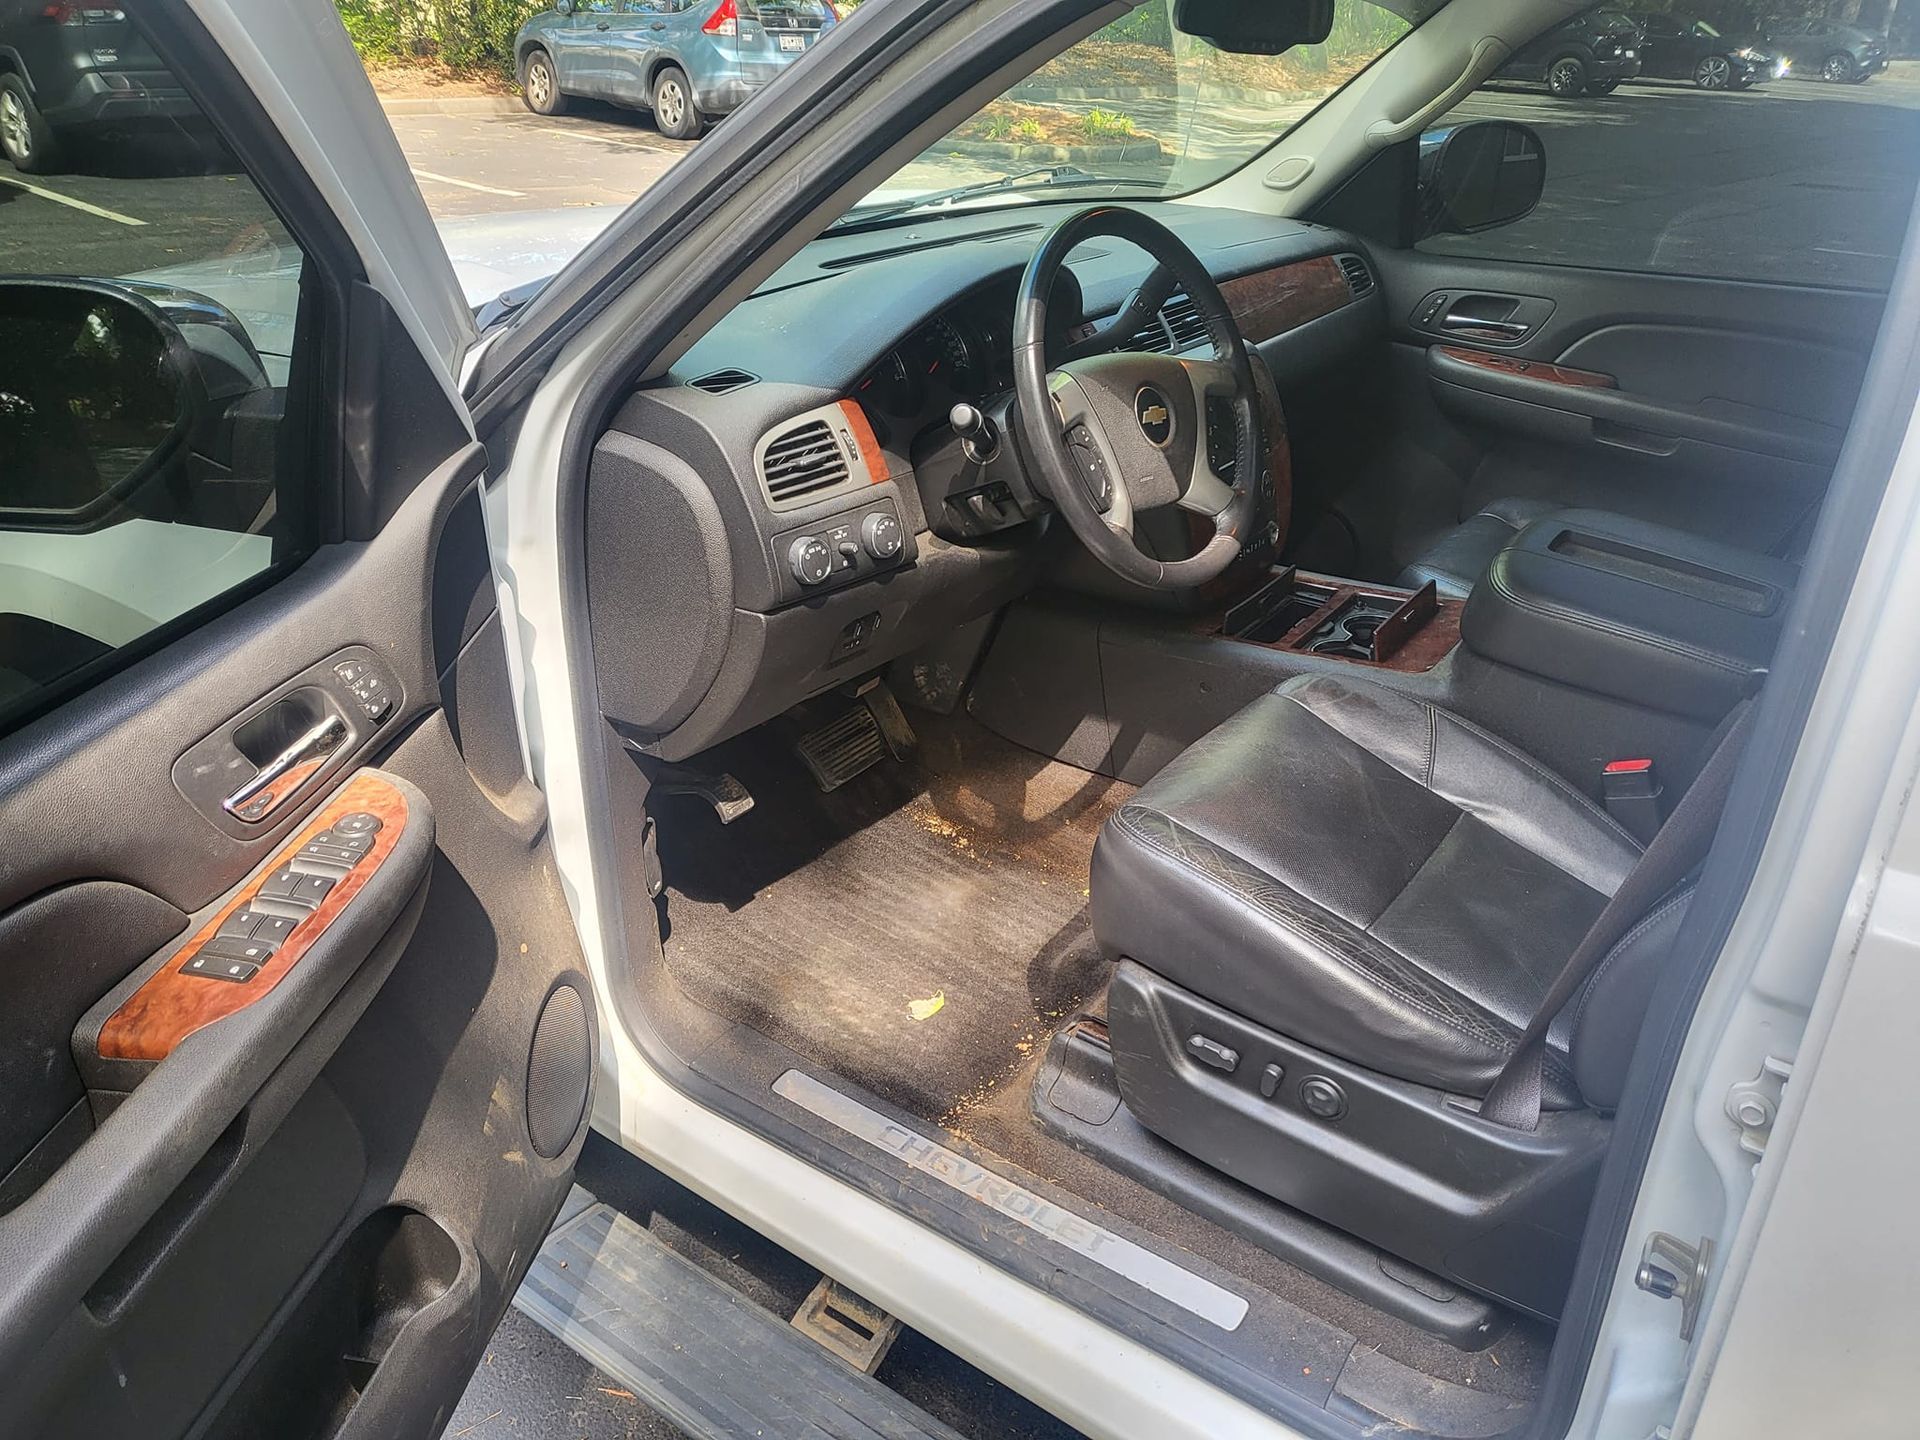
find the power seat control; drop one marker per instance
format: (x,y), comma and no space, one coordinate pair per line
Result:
(810,560)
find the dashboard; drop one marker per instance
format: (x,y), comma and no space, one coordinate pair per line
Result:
(791,498)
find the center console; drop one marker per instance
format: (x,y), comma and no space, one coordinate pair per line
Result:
(1345,620)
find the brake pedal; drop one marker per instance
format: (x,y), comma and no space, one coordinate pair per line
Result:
(728,797)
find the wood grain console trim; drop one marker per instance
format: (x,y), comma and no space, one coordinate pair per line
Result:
(170,1006)
(865,441)
(1272,302)
(1425,648)
(1530,369)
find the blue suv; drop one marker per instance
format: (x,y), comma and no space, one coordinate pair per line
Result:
(685,60)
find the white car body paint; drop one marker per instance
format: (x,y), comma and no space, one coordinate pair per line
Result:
(105,585)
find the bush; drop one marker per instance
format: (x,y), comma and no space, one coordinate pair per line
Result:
(462,34)
(1106,125)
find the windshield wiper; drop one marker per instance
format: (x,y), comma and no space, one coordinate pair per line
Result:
(1036,178)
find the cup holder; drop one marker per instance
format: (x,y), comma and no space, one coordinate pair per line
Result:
(1350,633)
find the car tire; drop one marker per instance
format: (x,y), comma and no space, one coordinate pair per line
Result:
(540,85)
(1838,68)
(1714,72)
(1597,88)
(673,108)
(1567,77)
(26,140)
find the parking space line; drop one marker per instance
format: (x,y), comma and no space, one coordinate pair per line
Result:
(471,185)
(59,199)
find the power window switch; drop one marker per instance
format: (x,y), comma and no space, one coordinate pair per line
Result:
(273,929)
(228,947)
(280,885)
(241,923)
(219,967)
(312,889)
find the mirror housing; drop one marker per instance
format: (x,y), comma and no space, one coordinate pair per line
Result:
(563,7)
(1477,176)
(99,394)
(1255,27)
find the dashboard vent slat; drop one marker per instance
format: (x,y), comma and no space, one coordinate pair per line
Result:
(1359,277)
(805,461)
(1183,322)
(720,382)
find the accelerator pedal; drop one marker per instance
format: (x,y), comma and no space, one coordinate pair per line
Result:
(696,1350)
(858,738)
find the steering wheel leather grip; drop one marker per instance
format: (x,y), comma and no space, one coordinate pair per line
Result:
(1141,417)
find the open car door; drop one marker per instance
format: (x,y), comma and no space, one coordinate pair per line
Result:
(296,1049)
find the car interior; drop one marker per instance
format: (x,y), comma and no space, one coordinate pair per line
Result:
(1227,803)
(1169,738)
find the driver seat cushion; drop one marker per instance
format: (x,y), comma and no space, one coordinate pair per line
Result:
(1364,873)
(1456,561)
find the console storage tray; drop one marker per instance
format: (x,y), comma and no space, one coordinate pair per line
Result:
(1646,614)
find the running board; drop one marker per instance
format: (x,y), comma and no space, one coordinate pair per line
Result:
(696,1350)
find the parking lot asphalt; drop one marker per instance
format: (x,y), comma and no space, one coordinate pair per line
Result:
(1808,179)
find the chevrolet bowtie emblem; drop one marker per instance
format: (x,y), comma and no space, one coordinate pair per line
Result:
(1156,420)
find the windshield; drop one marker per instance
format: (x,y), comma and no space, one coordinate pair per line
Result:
(1137,108)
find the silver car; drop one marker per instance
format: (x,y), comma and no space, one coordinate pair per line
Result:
(685,60)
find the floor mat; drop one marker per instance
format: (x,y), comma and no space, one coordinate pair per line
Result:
(952,887)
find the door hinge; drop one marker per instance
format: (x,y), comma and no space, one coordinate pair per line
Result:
(1671,1269)
(1753,1104)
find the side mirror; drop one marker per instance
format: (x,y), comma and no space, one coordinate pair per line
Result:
(1479,175)
(99,394)
(1255,27)
(563,7)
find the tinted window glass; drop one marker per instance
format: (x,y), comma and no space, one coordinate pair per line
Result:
(149,302)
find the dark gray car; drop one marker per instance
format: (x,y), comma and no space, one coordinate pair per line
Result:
(685,60)
(1835,52)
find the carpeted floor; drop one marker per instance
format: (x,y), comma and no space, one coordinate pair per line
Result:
(820,920)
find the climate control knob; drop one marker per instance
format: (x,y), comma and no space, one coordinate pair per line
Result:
(810,560)
(880,533)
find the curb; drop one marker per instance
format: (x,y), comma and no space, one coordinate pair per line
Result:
(451,105)
(1042,152)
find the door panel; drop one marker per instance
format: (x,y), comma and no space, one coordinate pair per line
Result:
(291,1002)
(1715,406)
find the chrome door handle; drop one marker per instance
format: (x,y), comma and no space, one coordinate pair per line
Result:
(281,777)
(1474,322)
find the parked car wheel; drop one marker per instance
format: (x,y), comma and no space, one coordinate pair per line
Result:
(673,108)
(1567,77)
(1837,68)
(539,86)
(1603,87)
(1714,72)
(25,137)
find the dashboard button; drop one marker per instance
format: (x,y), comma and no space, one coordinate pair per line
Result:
(810,560)
(880,533)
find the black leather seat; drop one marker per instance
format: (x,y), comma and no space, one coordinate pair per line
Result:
(1456,561)
(1345,881)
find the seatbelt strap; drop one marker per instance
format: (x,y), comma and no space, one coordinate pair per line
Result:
(1679,845)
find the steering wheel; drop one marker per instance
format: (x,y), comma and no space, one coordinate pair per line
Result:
(1117,433)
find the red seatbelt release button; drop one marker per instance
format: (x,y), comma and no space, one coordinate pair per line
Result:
(1632,793)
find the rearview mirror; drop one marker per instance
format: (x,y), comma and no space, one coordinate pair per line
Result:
(1255,27)
(1479,175)
(97,397)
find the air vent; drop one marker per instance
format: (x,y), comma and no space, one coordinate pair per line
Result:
(1178,327)
(1359,278)
(805,461)
(1183,322)
(722,381)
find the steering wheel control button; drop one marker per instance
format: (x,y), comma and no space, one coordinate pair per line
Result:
(1093,469)
(219,967)
(1323,1098)
(1211,1052)
(880,534)
(1270,1078)
(810,560)
(358,823)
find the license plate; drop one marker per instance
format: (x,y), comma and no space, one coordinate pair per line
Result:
(793,42)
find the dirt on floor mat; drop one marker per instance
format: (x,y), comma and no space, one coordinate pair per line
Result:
(919,930)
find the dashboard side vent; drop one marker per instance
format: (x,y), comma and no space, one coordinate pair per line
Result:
(1151,337)
(1359,277)
(1183,322)
(803,462)
(720,382)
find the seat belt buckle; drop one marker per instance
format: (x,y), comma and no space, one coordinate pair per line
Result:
(1632,791)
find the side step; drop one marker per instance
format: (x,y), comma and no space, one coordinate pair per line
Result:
(694,1349)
